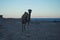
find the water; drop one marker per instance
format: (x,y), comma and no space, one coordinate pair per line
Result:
(46,19)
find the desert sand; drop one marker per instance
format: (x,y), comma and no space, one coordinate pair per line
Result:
(11,29)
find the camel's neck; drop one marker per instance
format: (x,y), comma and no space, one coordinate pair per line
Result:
(29,15)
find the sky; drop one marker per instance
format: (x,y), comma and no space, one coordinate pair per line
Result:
(40,8)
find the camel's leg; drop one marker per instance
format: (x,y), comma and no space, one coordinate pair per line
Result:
(28,26)
(23,27)
(28,23)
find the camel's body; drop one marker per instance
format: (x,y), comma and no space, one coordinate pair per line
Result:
(24,18)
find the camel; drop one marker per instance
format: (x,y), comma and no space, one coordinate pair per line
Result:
(26,19)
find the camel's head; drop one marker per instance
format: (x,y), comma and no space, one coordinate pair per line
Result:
(29,10)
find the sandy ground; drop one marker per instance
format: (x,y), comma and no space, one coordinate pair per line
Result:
(12,30)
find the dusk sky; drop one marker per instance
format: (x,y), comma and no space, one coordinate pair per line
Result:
(40,8)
